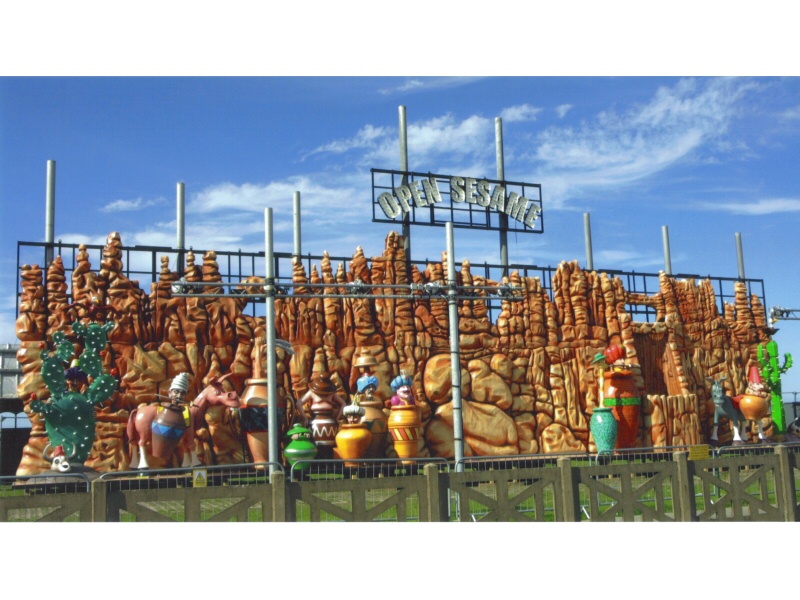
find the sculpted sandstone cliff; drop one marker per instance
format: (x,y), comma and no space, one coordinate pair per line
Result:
(528,382)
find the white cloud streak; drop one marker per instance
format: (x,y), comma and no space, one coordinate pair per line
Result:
(427,83)
(130,205)
(520,113)
(762,207)
(621,148)
(562,110)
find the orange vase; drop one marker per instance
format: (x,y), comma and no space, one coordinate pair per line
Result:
(622,396)
(754,408)
(353,441)
(405,428)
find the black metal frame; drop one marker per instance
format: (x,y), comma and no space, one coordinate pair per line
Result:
(234,266)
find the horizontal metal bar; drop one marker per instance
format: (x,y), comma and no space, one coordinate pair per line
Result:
(418,296)
(280,283)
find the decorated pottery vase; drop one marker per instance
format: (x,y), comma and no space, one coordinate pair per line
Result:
(404,427)
(604,429)
(324,428)
(353,441)
(167,429)
(622,396)
(301,448)
(753,407)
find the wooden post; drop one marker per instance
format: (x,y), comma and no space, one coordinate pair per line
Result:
(437,510)
(99,501)
(683,490)
(570,501)
(786,476)
(280,502)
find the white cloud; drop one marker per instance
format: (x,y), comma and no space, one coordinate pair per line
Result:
(522,112)
(757,208)
(430,142)
(433,141)
(562,110)
(791,114)
(427,83)
(367,137)
(678,123)
(226,198)
(129,205)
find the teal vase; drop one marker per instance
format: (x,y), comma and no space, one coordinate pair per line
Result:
(604,428)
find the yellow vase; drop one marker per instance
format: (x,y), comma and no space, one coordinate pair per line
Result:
(404,426)
(352,441)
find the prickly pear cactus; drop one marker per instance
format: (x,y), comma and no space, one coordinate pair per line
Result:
(69,416)
(771,372)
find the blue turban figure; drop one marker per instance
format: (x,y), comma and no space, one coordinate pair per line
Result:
(402,389)
(364,382)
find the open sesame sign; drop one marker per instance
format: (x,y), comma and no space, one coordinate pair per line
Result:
(433,199)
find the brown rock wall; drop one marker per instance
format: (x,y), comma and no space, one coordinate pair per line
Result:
(528,384)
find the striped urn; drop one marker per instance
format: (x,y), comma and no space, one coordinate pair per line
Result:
(405,429)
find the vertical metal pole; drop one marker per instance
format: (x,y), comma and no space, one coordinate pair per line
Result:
(272,368)
(455,360)
(297,238)
(181,223)
(50,212)
(667,257)
(740,254)
(404,167)
(587,228)
(501,175)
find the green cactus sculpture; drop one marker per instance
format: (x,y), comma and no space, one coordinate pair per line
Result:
(69,415)
(771,373)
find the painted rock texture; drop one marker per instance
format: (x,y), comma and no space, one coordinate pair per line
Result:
(528,382)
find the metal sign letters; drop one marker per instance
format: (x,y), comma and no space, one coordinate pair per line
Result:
(432,199)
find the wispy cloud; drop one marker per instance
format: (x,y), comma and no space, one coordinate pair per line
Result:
(433,143)
(427,83)
(562,110)
(520,113)
(367,137)
(227,198)
(759,207)
(130,205)
(791,114)
(618,148)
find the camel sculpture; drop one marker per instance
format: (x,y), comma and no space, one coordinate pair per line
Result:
(143,419)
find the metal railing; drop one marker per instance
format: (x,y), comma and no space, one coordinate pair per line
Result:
(752,482)
(362,468)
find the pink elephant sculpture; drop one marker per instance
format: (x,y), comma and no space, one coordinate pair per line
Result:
(174,428)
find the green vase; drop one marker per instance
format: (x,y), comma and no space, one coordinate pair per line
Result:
(300,448)
(604,429)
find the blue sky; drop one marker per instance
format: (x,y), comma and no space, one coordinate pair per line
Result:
(708,157)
